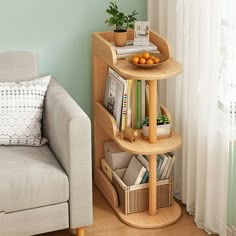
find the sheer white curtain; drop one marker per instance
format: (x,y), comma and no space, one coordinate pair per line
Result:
(228,87)
(194,29)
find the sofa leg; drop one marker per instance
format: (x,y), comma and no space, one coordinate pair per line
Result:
(80,231)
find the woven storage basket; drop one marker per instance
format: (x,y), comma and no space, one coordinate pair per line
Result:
(135,198)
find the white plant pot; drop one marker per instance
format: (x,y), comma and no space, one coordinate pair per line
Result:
(161,130)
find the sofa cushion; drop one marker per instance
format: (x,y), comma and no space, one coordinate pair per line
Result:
(30,177)
(21,108)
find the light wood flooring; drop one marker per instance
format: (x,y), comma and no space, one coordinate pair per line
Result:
(106,223)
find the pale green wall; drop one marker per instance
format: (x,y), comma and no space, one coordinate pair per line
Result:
(59,31)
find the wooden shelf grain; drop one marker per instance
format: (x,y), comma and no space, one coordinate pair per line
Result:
(165,216)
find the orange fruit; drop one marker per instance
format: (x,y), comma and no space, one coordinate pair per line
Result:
(142,60)
(135,60)
(138,55)
(152,57)
(157,60)
(150,61)
(146,55)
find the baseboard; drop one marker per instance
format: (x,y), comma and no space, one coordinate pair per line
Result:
(231,231)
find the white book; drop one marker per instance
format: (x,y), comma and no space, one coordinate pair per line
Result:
(170,167)
(162,168)
(123,56)
(141,43)
(167,166)
(134,173)
(141,40)
(143,161)
(130,48)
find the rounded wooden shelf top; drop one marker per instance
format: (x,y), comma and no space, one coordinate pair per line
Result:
(168,69)
(165,216)
(142,146)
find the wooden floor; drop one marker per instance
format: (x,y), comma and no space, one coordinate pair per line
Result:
(106,223)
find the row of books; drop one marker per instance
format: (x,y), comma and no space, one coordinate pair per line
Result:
(165,164)
(137,171)
(127,100)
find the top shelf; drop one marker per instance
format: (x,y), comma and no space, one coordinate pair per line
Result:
(104,49)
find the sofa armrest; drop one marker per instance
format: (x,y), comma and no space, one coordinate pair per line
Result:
(68,130)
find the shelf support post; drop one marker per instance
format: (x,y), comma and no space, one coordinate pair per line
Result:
(152,111)
(152,139)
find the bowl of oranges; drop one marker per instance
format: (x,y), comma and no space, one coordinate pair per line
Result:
(146,59)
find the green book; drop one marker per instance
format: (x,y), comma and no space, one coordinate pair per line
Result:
(139,105)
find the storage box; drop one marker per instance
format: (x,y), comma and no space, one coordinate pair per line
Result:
(135,198)
(115,156)
(106,169)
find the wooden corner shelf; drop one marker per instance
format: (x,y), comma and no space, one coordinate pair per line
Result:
(104,56)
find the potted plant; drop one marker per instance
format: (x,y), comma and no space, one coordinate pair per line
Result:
(121,22)
(163,126)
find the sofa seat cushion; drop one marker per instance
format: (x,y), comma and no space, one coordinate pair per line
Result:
(30,177)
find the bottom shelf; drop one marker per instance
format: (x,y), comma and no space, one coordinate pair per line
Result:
(165,216)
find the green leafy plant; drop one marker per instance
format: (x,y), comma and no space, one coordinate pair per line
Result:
(161,120)
(118,19)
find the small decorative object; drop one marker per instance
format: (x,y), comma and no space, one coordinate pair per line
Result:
(163,126)
(130,134)
(121,21)
(141,33)
(146,59)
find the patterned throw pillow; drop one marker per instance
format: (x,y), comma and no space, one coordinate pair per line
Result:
(21,108)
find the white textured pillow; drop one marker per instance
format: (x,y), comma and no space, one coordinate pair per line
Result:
(21,108)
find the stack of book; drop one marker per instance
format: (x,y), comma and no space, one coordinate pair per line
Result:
(131,48)
(165,164)
(138,169)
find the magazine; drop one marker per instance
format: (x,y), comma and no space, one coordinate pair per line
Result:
(113,97)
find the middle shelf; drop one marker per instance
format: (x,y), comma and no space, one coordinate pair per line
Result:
(140,146)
